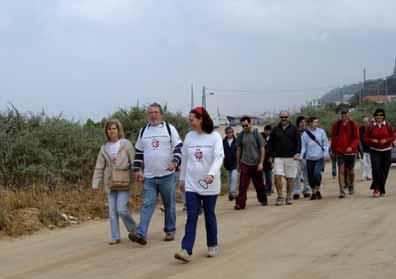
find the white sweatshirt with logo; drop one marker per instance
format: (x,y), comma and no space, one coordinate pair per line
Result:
(203,155)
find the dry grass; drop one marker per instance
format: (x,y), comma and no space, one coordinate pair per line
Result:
(25,211)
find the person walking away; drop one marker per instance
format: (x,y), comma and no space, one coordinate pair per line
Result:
(114,169)
(380,137)
(230,161)
(315,149)
(302,174)
(285,148)
(250,160)
(203,156)
(267,164)
(158,152)
(344,144)
(365,161)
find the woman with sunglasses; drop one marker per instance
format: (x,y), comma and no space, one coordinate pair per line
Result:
(379,137)
(200,179)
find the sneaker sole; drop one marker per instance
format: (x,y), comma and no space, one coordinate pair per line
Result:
(180,258)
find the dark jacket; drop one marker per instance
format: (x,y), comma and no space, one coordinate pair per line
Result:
(285,143)
(267,141)
(364,147)
(230,161)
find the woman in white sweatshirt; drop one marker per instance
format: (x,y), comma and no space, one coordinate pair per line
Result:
(200,179)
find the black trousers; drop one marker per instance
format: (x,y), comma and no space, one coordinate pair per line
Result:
(380,163)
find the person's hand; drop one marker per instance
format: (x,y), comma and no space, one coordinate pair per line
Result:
(95,190)
(326,158)
(297,157)
(382,141)
(349,150)
(374,140)
(209,179)
(260,167)
(181,185)
(172,166)
(138,175)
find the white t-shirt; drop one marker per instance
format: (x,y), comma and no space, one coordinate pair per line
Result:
(114,148)
(157,149)
(230,142)
(203,155)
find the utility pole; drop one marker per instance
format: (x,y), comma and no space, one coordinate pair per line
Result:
(204,97)
(386,86)
(364,85)
(192,96)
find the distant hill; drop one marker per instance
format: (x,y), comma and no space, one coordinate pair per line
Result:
(350,92)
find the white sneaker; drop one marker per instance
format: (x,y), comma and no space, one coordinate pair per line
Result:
(183,255)
(213,251)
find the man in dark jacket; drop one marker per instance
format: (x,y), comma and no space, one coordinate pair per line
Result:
(285,146)
(267,164)
(230,161)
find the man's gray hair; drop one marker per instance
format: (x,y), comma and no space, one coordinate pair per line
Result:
(156,105)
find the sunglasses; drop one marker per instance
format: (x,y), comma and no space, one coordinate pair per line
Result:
(203,184)
(378,114)
(245,126)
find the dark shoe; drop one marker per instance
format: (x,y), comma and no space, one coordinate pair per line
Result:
(342,195)
(296,196)
(169,237)
(200,211)
(237,207)
(351,190)
(230,197)
(319,195)
(313,197)
(306,195)
(134,237)
(264,203)
(114,242)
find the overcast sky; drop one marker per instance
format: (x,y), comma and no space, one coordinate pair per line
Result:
(86,58)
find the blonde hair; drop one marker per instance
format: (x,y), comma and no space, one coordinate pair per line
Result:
(118,124)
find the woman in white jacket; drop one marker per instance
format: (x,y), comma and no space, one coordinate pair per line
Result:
(200,179)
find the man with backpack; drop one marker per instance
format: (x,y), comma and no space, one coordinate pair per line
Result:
(344,144)
(158,151)
(250,160)
(285,149)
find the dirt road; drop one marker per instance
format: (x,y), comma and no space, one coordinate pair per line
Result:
(351,238)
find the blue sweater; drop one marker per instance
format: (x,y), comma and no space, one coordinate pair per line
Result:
(310,150)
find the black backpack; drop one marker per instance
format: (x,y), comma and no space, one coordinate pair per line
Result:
(167,128)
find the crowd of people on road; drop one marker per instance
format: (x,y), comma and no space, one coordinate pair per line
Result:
(286,152)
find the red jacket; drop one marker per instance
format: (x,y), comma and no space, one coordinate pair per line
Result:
(379,132)
(344,136)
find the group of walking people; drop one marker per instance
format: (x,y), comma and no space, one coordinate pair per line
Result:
(294,153)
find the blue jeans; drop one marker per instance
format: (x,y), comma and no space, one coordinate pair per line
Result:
(118,207)
(314,169)
(232,181)
(194,202)
(166,187)
(301,174)
(268,181)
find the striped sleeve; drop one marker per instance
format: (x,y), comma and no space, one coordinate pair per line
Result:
(177,154)
(138,161)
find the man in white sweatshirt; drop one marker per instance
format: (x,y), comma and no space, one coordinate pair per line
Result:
(158,151)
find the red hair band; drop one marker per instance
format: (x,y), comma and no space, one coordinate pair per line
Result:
(199,110)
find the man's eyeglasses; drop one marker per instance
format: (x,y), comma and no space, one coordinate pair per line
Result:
(203,183)
(378,114)
(245,126)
